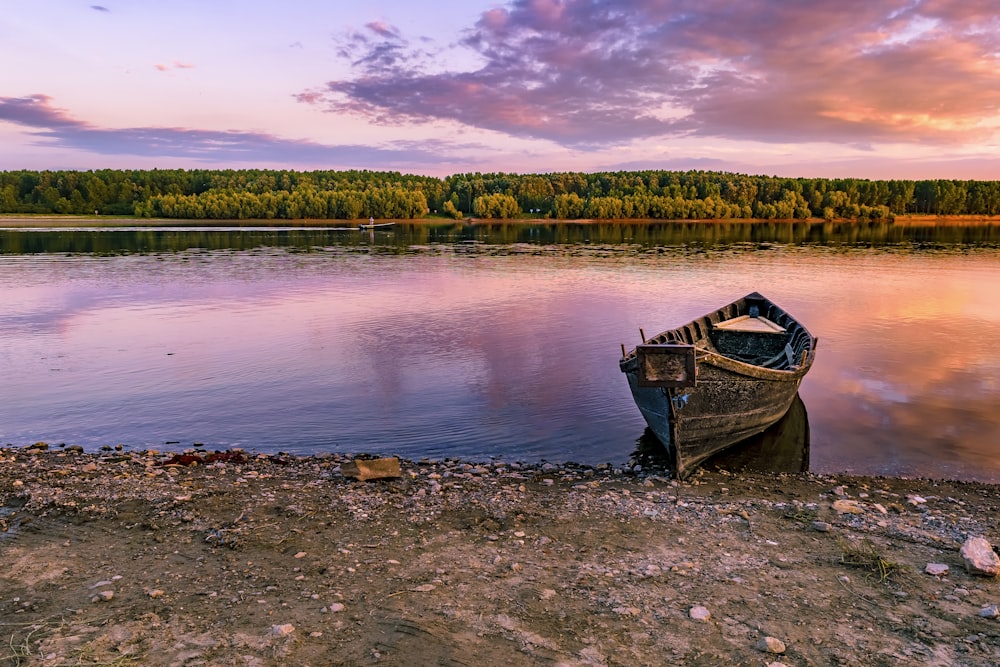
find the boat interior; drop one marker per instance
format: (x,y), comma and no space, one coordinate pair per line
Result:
(751,330)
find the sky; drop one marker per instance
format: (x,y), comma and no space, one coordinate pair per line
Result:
(875,89)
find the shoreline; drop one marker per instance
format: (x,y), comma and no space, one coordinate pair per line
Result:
(19,221)
(123,557)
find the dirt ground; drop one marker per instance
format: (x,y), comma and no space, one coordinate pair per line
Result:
(114,558)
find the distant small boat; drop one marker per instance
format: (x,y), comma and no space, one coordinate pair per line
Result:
(375,225)
(718,379)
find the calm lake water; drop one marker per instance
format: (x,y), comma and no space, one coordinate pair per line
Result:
(489,341)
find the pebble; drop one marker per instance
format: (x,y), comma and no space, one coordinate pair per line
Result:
(936,569)
(771,645)
(847,507)
(103,596)
(821,526)
(699,613)
(990,611)
(282,630)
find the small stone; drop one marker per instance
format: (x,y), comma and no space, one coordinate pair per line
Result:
(771,645)
(301,554)
(990,611)
(821,526)
(980,557)
(699,613)
(103,596)
(916,500)
(847,507)
(335,607)
(424,588)
(936,569)
(155,593)
(282,630)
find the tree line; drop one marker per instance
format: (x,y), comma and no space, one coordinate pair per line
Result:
(354,194)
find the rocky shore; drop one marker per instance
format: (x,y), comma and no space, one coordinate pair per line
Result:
(147,558)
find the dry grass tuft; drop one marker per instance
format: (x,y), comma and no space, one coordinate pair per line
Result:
(865,555)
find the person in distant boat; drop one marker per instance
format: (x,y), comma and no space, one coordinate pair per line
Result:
(371,221)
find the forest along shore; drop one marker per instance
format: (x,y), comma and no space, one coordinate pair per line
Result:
(151,558)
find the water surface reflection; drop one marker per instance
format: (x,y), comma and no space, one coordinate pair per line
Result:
(481,349)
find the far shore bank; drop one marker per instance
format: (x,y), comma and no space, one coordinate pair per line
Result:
(11,221)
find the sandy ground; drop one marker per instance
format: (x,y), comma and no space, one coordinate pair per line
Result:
(115,558)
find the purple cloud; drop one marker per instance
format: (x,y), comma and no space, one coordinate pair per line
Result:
(601,72)
(55,126)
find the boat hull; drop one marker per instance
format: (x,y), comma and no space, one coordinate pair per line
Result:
(725,400)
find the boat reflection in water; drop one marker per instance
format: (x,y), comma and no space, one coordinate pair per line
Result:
(783,447)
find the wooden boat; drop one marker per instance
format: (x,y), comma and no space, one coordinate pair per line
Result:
(718,379)
(375,225)
(781,447)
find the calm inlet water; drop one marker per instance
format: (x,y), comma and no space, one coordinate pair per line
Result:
(486,342)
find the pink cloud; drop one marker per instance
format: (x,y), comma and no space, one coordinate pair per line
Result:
(591,72)
(174,65)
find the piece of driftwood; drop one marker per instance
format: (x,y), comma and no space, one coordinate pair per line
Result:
(366,469)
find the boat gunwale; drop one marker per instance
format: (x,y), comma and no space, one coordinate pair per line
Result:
(716,358)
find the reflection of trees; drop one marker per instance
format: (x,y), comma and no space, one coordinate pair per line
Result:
(407,238)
